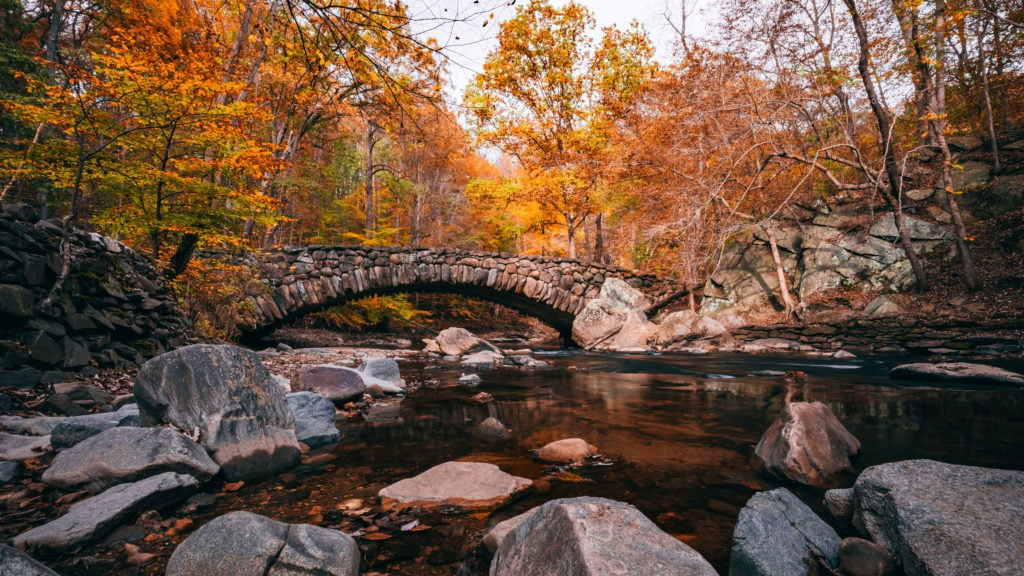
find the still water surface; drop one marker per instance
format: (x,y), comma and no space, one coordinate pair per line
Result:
(679,432)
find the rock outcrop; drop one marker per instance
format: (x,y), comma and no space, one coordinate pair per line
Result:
(807,444)
(226,395)
(593,537)
(615,320)
(247,543)
(942,519)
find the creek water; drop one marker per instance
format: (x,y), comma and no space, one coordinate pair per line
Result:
(677,434)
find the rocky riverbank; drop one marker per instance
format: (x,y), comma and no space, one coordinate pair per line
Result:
(118,490)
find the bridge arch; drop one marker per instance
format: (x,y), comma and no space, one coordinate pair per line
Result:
(304,280)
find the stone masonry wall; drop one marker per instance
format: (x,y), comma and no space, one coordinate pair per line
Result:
(112,312)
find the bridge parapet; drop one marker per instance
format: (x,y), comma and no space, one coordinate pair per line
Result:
(302,280)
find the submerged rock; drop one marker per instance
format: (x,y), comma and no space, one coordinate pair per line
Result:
(569,450)
(778,534)
(593,537)
(942,519)
(91,519)
(122,455)
(491,430)
(806,444)
(247,543)
(226,395)
(957,372)
(468,485)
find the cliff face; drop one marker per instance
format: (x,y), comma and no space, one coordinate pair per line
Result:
(113,311)
(849,246)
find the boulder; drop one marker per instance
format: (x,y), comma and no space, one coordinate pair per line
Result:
(91,519)
(127,415)
(859,557)
(593,536)
(885,228)
(964,143)
(17,563)
(469,379)
(247,543)
(8,471)
(496,535)
(942,519)
(71,431)
(468,485)
(122,455)
(806,444)
(16,301)
(963,372)
(226,395)
(383,372)
(491,430)
(883,306)
(483,359)
(314,419)
(778,534)
(20,448)
(839,505)
(525,361)
(459,341)
(615,320)
(336,383)
(676,326)
(971,175)
(569,450)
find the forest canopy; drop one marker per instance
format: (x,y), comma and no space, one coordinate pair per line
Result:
(183,125)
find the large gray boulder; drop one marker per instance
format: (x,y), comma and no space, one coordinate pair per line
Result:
(93,518)
(119,455)
(243,543)
(226,395)
(336,383)
(963,372)
(468,485)
(807,444)
(615,320)
(314,419)
(17,563)
(778,534)
(593,537)
(942,519)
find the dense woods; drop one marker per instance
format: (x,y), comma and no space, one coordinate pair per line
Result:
(177,126)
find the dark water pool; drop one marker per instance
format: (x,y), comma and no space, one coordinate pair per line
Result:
(679,431)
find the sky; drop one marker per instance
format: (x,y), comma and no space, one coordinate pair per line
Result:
(458,26)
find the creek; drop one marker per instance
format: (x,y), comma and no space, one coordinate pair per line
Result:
(677,433)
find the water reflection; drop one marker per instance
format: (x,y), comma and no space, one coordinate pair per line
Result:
(680,439)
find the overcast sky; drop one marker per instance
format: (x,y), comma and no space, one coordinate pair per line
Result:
(458,26)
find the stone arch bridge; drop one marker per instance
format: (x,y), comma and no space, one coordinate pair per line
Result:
(303,280)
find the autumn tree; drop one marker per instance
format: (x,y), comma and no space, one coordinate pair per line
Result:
(545,96)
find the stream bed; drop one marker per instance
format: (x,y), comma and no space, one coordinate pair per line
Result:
(676,434)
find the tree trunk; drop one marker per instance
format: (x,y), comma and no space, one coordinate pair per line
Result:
(939,123)
(987,94)
(600,254)
(371,142)
(183,255)
(894,193)
(780,271)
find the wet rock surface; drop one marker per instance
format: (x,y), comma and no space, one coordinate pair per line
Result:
(963,372)
(336,383)
(569,450)
(314,419)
